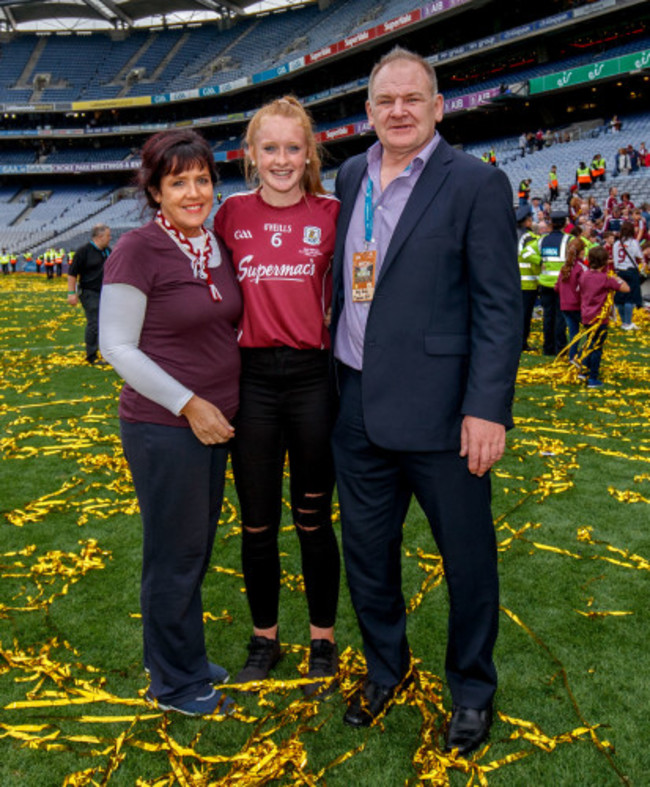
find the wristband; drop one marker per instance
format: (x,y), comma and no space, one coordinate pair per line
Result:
(71,292)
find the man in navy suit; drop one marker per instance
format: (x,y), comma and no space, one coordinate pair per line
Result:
(426,332)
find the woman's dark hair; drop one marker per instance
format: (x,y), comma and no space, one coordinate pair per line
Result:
(627,230)
(597,258)
(172,152)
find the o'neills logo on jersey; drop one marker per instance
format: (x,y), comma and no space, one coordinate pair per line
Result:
(277,227)
(311,236)
(259,272)
(243,234)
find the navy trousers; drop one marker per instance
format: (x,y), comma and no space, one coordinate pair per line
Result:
(90,302)
(594,351)
(553,324)
(179,483)
(375,487)
(529,297)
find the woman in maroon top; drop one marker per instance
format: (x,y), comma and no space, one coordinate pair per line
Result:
(169,311)
(595,286)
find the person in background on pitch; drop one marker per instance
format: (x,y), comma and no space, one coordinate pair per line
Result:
(568,292)
(85,277)
(595,285)
(288,223)
(628,261)
(529,267)
(552,248)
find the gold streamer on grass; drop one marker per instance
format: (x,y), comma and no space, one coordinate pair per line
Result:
(47,570)
(594,614)
(535,735)
(626,496)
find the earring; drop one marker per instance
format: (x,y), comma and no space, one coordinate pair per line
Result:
(253,163)
(307,161)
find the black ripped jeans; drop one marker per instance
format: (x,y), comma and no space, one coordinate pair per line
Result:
(286,405)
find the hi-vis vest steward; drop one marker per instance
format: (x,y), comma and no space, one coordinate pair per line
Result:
(529,259)
(598,167)
(552,249)
(552,180)
(583,175)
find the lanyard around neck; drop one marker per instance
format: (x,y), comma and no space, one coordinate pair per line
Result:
(368,213)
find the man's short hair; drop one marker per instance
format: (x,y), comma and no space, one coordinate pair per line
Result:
(98,229)
(399,53)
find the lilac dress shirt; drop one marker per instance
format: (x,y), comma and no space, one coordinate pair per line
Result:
(387,209)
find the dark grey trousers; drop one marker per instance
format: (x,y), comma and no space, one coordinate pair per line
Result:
(90,302)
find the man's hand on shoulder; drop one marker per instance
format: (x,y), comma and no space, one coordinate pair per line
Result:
(482,442)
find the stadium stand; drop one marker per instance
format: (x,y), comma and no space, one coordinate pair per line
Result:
(18,156)
(58,208)
(130,64)
(207,49)
(567,156)
(250,46)
(89,155)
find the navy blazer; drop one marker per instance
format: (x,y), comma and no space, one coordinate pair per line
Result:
(443,336)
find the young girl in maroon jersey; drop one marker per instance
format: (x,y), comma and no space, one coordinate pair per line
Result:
(281,237)
(567,288)
(595,286)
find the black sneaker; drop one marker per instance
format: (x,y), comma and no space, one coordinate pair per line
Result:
(323,663)
(263,655)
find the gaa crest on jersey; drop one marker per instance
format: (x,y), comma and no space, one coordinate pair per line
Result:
(312,236)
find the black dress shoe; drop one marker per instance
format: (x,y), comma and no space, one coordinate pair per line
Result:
(468,728)
(370,702)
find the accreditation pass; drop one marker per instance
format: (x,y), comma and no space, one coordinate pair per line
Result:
(364,266)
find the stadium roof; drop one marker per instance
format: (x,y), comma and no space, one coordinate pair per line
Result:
(73,15)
